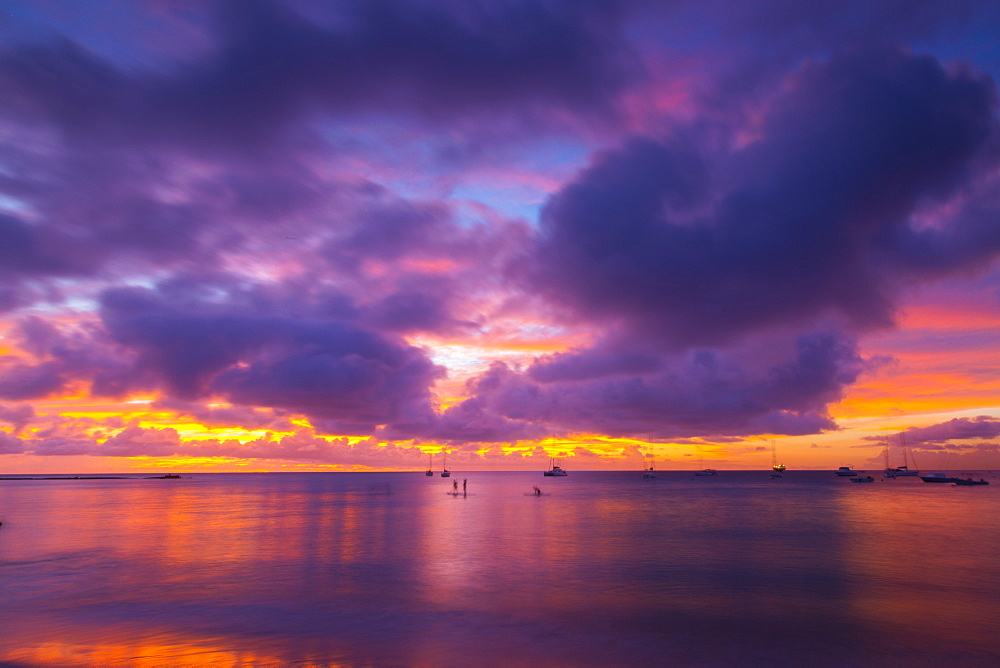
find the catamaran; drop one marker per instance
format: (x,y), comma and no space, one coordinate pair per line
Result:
(554,470)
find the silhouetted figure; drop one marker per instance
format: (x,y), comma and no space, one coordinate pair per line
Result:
(538,492)
(464,486)
(454,486)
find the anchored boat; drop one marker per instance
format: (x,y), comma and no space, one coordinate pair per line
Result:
(554,471)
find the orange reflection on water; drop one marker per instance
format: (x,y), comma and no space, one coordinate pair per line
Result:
(142,653)
(392,569)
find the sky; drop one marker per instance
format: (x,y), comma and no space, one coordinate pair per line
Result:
(285,235)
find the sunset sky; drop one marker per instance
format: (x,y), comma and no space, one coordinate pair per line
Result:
(289,235)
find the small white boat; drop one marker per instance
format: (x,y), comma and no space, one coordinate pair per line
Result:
(846,471)
(862,478)
(555,471)
(430,466)
(649,473)
(705,472)
(445,473)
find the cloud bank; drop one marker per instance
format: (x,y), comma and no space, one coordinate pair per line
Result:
(279,212)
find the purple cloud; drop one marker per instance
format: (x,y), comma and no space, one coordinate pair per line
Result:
(60,357)
(299,188)
(244,417)
(135,441)
(704,392)
(811,217)
(17,416)
(983,427)
(328,369)
(11,445)
(269,66)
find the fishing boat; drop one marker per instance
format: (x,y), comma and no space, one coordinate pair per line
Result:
(846,471)
(938,476)
(554,471)
(705,472)
(445,473)
(430,466)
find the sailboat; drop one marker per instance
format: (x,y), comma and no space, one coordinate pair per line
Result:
(777,470)
(555,470)
(900,471)
(889,472)
(649,473)
(704,472)
(445,473)
(430,466)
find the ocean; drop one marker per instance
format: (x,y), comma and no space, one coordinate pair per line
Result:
(602,569)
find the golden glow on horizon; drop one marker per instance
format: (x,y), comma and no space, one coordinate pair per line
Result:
(928,380)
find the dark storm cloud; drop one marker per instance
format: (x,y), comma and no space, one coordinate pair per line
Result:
(686,252)
(98,212)
(410,311)
(19,251)
(327,369)
(270,66)
(812,217)
(113,169)
(705,392)
(711,259)
(393,227)
(472,423)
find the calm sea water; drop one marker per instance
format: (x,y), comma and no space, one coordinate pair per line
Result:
(604,569)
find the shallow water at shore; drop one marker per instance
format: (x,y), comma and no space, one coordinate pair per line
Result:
(604,569)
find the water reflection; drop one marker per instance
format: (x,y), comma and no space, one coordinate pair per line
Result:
(391,569)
